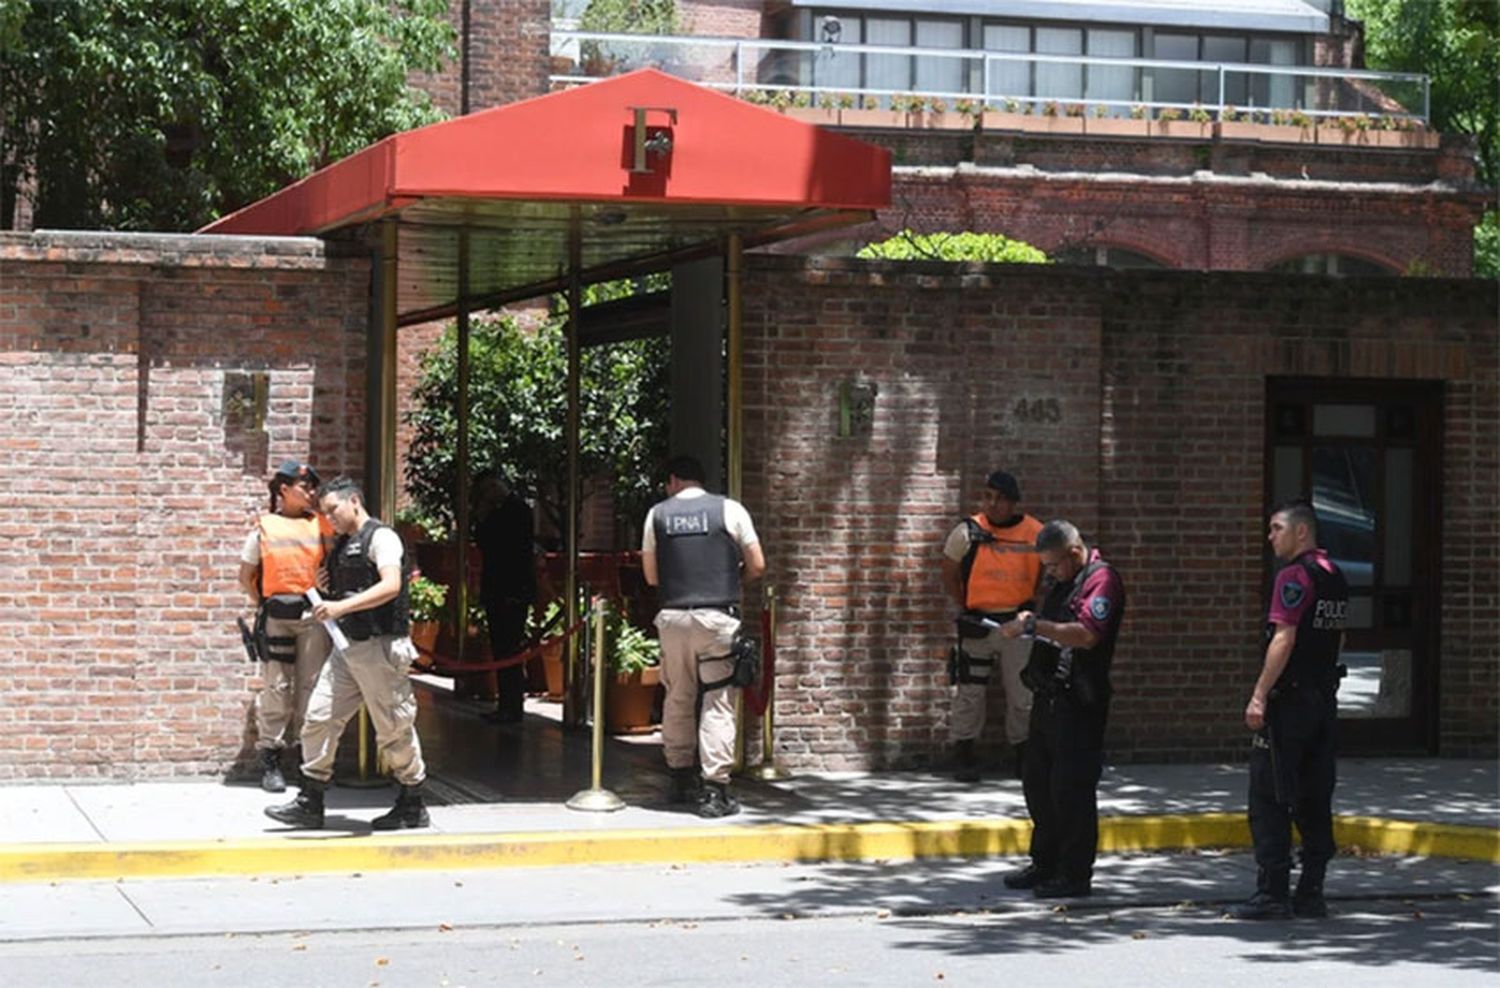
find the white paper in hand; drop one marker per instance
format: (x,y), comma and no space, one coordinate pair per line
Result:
(334,631)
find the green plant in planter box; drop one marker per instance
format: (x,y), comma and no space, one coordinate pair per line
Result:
(630,649)
(428,599)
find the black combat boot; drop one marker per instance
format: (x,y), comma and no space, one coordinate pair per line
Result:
(271,779)
(1028,877)
(686,786)
(306,810)
(965,761)
(408,813)
(715,801)
(1308,901)
(1270,900)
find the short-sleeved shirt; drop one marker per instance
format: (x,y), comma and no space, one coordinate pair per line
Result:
(1293,592)
(736,520)
(385,548)
(1100,603)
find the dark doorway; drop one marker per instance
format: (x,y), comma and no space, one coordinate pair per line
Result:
(1369,453)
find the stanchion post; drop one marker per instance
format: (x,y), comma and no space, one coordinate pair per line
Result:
(768,769)
(368,772)
(596,798)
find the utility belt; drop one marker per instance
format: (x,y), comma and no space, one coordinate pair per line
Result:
(733,610)
(974,669)
(1326,683)
(744,651)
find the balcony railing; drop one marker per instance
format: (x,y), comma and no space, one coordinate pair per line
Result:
(818,74)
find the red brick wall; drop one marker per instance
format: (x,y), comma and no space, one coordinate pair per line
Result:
(721,18)
(1131,403)
(127,498)
(1208,206)
(508,47)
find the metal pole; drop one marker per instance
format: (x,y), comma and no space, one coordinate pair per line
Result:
(386,494)
(596,798)
(735,435)
(767,769)
(572,712)
(461,508)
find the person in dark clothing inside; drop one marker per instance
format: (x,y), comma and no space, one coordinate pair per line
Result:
(1293,710)
(507,585)
(1069,674)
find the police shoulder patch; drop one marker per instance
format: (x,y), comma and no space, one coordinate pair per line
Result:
(1099,608)
(1292,593)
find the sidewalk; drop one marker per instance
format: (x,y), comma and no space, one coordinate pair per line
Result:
(497,796)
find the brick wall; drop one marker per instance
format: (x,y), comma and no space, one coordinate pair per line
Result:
(508,55)
(1131,403)
(127,493)
(1207,206)
(721,18)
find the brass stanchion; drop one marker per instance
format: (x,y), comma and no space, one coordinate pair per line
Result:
(597,799)
(767,769)
(368,773)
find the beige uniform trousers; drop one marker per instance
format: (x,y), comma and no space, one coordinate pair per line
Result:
(282,702)
(967,721)
(686,637)
(367,673)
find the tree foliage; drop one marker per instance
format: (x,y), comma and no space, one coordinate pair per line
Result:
(518,417)
(992,247)
(1457,43)
(165,114)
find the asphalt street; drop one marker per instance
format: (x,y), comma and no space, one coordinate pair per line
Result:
(1155,920)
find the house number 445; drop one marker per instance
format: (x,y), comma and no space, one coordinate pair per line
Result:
(1042,410)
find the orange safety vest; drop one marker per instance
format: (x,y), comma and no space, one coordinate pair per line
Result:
(291,550)
(1005,571)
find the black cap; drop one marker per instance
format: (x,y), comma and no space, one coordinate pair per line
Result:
(1005,484)
(297,470)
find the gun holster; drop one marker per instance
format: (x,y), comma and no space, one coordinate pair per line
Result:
(744,653)
(964,668)
(249,640)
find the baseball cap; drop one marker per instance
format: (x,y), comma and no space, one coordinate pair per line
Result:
(1005,484)
(297,470)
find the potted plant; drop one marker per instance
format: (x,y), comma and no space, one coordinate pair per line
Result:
(428,607)
(1007,116)
(1055,118)
(1102,122)
(634,659)
(869,113)
(802,108)
(545,624)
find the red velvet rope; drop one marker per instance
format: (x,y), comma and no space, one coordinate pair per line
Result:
(757,699)
(460,668)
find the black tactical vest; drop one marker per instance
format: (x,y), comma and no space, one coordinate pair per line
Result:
(1090,673)
(698,560)
(351,571)
(1315,654)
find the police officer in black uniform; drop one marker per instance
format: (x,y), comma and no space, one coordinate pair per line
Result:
(1293,711)
(1069,674)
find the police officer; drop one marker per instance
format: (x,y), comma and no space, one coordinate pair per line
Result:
(368,591)
(699,548)
(1294,714)
(278,563)
(991,570)
(1069,673)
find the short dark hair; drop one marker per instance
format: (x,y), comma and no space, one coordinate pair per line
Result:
(1004,483)
(685,468)
(1298,511)
(342,488)
(1058,534)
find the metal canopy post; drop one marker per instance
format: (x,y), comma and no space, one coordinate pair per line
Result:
(380,415)
(461,491)
(734,428)
(572,680)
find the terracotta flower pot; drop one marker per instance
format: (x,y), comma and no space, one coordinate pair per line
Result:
(629,699)
(552,665)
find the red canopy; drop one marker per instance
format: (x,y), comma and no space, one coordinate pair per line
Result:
(651,167)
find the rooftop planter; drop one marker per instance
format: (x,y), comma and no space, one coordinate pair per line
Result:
(1278,127)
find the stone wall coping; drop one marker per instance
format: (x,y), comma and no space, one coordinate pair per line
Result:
(163,249)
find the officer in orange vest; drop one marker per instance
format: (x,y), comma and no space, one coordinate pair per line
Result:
(279,562)
(991,570)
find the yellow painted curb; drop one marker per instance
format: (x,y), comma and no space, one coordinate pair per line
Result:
(777,842)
